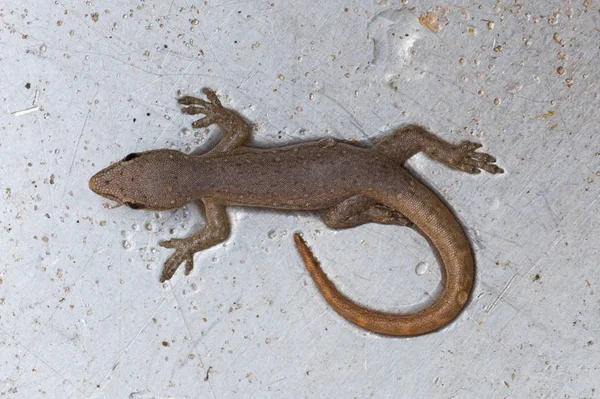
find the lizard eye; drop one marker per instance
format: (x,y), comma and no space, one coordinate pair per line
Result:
(129,157)
(134,205)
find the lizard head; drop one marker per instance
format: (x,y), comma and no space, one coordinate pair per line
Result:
(144,180)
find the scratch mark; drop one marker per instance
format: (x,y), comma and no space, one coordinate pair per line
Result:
(231,3)
(148,85)
(180,77)
(75,151)
(351,118)
(277,381)
(499,297)
(131,341)
(47,364)
(319,316)
(246,79)
(521,275)
(26,111)
(191,334)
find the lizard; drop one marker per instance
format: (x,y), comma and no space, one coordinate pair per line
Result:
(348,184)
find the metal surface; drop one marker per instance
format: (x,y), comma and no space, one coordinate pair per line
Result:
(82,314)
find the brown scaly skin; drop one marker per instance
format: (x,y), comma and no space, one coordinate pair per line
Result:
(350,185)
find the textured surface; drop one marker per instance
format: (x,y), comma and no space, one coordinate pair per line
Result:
(83,84)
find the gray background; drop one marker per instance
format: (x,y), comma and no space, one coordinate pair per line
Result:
(82,314)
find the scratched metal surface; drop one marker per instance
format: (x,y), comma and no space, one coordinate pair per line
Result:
(82,314)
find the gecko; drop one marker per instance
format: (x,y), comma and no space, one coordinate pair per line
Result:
(347,183)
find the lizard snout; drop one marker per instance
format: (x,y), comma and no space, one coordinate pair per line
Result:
(93,183)
(101,184)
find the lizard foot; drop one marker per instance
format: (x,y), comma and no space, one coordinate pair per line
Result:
(211,108)
(385,215)
(465,158)
(182,254)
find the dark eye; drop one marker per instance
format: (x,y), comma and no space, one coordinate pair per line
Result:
(133,205)
(129,157)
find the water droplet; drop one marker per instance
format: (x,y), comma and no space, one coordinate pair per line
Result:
(421,268)
(126,244)
(272,234)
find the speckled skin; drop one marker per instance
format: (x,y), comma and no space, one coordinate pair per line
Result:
(349,184)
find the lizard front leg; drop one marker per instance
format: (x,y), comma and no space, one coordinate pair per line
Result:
(215,231)
(235,129)
(407,141)
(360,209)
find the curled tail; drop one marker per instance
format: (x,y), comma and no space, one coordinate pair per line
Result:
(439,225)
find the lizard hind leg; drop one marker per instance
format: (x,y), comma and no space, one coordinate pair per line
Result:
(410,140)
(360,209)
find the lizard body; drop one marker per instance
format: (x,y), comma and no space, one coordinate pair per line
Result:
(350,185)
